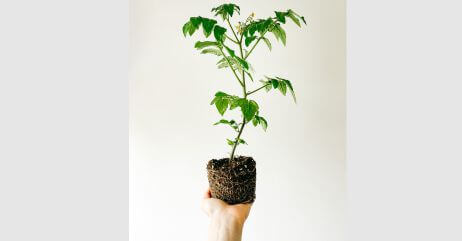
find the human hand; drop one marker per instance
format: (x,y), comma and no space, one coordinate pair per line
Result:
(227,220)
(217,208)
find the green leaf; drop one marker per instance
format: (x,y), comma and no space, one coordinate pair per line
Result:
(232,123)
(258,120)
(267,42)
(211,51)
(251,28)
(230,51)
(186,28)
(203,44)
(229,9)
(221,94)
(223,65)
(242,62)
(190,28)
(275,83)
(268,85)
(281,16)
(291,15)
(249,108)
(291,88)
(226,10)
(230,142)
(241,141)
(265,25)
(222,101)
(282,87)
(263,123)
(222,60)
(290,11)
(249,40)
(279,33)
(222,105)
(196,21)
(207,25)
(255,121)
(250,76)
(219,33)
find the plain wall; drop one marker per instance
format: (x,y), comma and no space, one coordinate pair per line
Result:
(301,157)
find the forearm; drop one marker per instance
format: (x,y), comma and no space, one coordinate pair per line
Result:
(225,228)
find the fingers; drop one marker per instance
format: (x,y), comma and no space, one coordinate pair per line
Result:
(205,205)
(207,194)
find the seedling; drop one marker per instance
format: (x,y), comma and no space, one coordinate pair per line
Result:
(233,46)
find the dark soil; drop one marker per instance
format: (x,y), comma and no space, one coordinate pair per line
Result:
(233,182)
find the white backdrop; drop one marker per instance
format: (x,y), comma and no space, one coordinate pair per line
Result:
(300,159)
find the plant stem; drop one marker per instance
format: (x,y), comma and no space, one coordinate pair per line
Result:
(232,40)
(253,91)
(236,141)
(253,47)
(232,29)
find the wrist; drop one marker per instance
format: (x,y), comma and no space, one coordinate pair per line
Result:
(223,218)
(225,227)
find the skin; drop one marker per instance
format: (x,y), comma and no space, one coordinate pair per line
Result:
(226,221)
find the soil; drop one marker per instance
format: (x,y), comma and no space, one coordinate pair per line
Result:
(233,182)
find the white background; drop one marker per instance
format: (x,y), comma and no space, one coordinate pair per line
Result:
(404,120)
(63,120)
(300,160)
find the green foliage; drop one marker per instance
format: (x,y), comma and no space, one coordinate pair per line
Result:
(239,60)
(279,83)
(208,25)
(232,123)
(258,120)
(219,33)
(232,143)
(222,101)
(281,16)
(233,51)
(216,52)
(203,44)
(249,40)
(267,42)
(279,33)
(249,108)
(226,10)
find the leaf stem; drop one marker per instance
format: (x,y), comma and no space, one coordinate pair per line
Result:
(232,40)
(253,91)
(255,45)
(232,29)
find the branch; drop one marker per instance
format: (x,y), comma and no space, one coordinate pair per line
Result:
(255,45)
(232,40)
(253,91)
(232,29)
